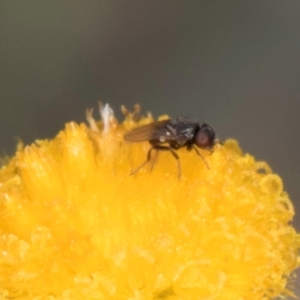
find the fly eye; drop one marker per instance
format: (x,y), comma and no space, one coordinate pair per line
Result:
(205,137)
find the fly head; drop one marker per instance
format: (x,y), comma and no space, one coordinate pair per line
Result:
(205,137)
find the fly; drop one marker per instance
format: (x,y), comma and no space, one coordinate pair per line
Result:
(171,135)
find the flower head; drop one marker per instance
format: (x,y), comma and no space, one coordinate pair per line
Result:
(76,225)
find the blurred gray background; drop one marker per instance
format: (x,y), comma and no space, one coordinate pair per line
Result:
(233,64)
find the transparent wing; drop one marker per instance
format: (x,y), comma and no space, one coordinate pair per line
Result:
(152,131)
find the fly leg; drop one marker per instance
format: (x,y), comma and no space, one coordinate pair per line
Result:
(154,160)
(203,158)
(145,162)
(166,148)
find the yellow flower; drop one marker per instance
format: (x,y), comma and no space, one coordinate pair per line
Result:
(75,224)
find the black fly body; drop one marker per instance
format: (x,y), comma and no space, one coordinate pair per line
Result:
(171,135)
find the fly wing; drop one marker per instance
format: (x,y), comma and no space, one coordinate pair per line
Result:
(152,131)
